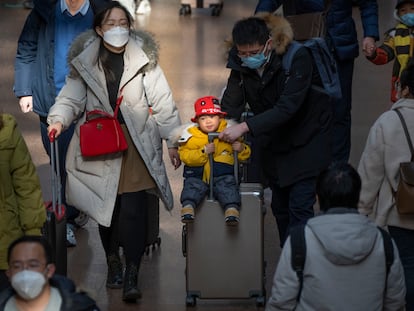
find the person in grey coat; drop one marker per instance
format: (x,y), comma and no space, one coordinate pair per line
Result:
(345,261)
(114,64)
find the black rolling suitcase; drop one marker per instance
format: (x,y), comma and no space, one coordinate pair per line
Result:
(215,5)
(226,262)
(55,226)
(153,230)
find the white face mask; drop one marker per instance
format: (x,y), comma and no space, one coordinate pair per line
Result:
(117,36)
(28,284)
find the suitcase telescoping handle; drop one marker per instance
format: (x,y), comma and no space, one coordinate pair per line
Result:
(55,177)
(211,137)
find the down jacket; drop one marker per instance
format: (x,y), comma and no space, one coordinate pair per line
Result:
(385,148)
(292,119)
(34,63)
(92,184)
(344,268)
(21,204)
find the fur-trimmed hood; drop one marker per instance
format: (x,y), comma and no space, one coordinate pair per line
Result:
(280,30)
(143,38)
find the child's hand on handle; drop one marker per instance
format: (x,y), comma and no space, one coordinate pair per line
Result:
(237,146)
(209,148)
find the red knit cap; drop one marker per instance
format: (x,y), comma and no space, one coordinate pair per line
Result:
(207,105)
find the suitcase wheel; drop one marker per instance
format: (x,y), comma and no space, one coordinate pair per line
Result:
(215,9)
(185,9)
(260,301)
(152,246)
(190,301)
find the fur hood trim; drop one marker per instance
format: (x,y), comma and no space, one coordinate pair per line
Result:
(181,134)
(280,30)
(144,39)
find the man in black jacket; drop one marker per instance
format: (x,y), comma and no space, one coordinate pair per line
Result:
(291,121)
(33,283)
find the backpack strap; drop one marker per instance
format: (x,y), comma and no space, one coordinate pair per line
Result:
(287,58)
(388,250)
(407,134)
(298,253)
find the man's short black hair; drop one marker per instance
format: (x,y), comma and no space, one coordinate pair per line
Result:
(32,239)
(338,186)
(249,31)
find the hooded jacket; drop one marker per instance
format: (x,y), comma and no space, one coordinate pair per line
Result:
(147,107)
(72,299)
(34,63)
(22,211)
(192,153)
(385,149)
(292,120)
(344,268)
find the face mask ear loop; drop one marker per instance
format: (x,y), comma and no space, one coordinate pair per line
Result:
(269,53)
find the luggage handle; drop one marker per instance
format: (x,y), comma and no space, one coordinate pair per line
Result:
(184,241)
(211,137)
(57,207)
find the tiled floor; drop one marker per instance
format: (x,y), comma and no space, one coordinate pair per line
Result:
(193,58)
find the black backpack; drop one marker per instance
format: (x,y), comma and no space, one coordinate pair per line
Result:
(323,60)
(298,249)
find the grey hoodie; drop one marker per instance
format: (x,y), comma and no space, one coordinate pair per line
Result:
(344,268)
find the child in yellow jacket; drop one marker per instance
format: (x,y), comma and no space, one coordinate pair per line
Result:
(194,149)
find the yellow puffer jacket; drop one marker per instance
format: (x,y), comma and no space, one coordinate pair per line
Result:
(192,153)
(22,211)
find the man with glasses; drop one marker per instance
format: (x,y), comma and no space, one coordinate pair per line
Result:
(291,122)
(41,68)
(33,283)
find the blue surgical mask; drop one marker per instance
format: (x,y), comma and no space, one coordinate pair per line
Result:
(408,19)
(255,61)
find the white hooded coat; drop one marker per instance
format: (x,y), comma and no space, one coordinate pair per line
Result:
(92,184)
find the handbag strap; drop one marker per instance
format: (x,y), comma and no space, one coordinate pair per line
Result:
(118,103)
(407,134)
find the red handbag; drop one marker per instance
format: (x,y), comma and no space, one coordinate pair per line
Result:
(101,133)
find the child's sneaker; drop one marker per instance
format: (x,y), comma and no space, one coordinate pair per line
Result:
(232,216)
(187,214)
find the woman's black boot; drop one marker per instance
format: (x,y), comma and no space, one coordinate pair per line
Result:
(114,278)
(131,292)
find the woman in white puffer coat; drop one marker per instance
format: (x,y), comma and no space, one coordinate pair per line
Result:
(109,62)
